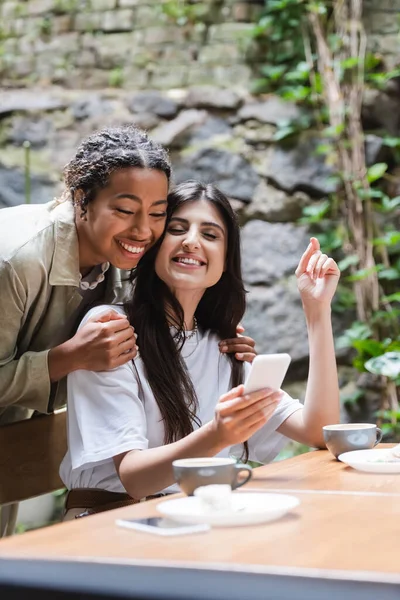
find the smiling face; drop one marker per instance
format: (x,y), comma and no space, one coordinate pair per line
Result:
(192,254)
(124,219)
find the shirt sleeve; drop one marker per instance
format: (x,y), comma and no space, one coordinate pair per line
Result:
(105,415)
(24,381)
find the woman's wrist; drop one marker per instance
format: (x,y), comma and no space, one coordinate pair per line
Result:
(62,360)
(213,438)
(317,313)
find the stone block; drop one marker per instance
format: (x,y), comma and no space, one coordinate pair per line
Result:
(201,75)
(114,49)
(88,21)
(299,168)
(276,253)
(9,10)
(209,96)
(272,111)
(85,58)
(220,54)
(275,319)
(59,46)
(384,23)
(117,20)
(144,57)
(135,79)
(229,32)
(171,54)
(39,7)
(235,76)
(105,4)
(273,205)
(145,16)
(128,3)
(151,102)
(62,24)
(173,133)
(163,35)
(166,77)
(234,175)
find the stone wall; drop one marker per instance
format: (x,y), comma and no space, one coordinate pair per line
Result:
(131,44)
(72,67)
(214,134)
(382,24)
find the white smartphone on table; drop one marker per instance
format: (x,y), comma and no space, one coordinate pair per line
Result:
(267,371)
(161,526)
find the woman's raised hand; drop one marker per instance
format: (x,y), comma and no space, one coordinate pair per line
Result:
(317,276)
(238,415)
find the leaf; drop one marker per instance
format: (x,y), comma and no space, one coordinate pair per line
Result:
(361,274)
(392,142)
(390,274)
(348,261)
(392,298)
(315,212)
(389,204)
(371,347)
(391,238)
(388,365)
(376,171)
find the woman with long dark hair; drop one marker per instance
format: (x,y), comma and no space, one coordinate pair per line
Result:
(181,398)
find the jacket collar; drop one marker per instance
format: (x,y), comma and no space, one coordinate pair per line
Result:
(65,267)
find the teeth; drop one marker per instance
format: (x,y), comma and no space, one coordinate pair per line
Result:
(189,261)
(133,249)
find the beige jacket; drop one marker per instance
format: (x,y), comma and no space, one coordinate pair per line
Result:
(39,279)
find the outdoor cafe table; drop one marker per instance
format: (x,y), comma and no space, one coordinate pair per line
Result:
(346,526)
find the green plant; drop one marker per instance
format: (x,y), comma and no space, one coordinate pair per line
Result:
(314,53)
(116,77)
(183,13)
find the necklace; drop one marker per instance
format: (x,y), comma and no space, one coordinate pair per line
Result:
(193,332)
(90,285)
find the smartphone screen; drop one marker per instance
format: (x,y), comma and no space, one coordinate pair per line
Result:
(161,526)
(159,522)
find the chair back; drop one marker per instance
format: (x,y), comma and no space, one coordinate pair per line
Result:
(30,455)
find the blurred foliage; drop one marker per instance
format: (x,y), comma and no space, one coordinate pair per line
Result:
(287,54)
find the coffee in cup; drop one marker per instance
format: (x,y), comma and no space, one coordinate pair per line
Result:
(191,473)
(351,436)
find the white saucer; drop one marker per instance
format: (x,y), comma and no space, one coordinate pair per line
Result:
(362,460)
(247,509)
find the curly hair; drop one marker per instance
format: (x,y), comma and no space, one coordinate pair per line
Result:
(107,150)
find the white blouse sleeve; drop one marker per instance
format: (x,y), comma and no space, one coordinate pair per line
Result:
(105,415)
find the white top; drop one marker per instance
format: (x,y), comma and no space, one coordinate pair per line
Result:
(108,414)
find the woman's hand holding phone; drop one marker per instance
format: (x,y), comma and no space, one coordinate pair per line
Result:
(239,415)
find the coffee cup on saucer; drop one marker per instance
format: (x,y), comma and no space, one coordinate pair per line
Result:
(341,438)
(191,473)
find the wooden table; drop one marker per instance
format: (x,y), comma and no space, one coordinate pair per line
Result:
(345,526)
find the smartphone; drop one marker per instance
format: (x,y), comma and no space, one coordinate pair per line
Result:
(267,371)
(161,526)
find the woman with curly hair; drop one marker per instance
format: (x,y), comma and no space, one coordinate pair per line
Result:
(58,259)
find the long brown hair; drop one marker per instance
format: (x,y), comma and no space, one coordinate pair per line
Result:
(220,310)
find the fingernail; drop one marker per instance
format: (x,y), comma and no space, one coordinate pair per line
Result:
(239,355)
(224,348)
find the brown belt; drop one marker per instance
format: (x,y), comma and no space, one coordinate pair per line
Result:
(96,501)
